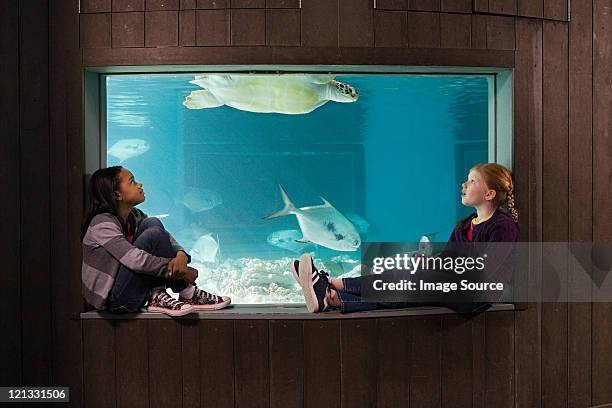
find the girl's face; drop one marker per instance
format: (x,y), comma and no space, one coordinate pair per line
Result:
(130,191)
(474,191)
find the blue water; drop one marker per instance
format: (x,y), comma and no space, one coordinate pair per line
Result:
(396,158)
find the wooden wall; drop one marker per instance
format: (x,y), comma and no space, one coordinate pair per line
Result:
(548,355)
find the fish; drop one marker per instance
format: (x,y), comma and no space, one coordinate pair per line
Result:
(287,239)
(359,222)
(205,249)
(321,224)
(127,148)
(200,199)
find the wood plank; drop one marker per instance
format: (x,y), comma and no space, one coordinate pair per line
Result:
(248,3)
(456,6)
(99,363)
(248,27)
(479,361)
(10,189)
(321,357)
(95,6)
(423,30)
(212,27)
(358,345)
(35,274)
(555,203)
(508,7)
(95,30)
(500,33)
(602,193)
(212,4)
(283,27)
(556,10)
(393,356)
(580,194)
(161,28)
(217,357)
(481,6)
(128,5)
(291,4)
(424,5)
(162,5)
(456,362)
(320,23)
(165,371)
(187,4)
(187,28)
(499,352)
(190,353)
(527,173)
(127,30)
(286,364)
(391,29)
(132,363)
(356,23)
(392,4)
(479,31)
(455,30)
(252,363)
(530,8)
(425,357)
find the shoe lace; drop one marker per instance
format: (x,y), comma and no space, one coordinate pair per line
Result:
(206,296)
(165,300)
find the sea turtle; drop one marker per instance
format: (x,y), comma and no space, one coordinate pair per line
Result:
(291,94)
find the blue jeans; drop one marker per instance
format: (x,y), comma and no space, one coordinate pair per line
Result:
(131,290)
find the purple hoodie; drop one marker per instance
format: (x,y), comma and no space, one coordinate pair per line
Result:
(499,228)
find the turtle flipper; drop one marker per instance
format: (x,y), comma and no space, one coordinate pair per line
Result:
(321,78)
(201,99)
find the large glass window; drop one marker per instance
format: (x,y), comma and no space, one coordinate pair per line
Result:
(360,157)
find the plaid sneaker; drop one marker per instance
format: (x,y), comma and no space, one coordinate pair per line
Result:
(164,303)
(202,300)
(315,284)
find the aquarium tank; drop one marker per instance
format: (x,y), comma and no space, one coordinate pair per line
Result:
(250,171)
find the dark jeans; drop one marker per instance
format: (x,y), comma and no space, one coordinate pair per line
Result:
(131,290)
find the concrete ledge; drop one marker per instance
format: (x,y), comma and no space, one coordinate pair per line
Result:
(286,312)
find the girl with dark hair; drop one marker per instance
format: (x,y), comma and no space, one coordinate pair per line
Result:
(129,259)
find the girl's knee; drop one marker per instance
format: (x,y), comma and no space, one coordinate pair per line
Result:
(151,222)
(152,231)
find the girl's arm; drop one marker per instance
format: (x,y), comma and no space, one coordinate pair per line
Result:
(177,247)
(108,235)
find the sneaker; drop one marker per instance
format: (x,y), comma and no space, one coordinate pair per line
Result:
(315,284)
(164,303)
(203,300)
(295,269)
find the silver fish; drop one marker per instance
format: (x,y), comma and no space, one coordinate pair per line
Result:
(200,199)
(205,249)
(321,224)
(287,239)
(127,148)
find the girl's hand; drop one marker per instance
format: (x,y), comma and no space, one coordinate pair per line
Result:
(189,275)
(177,264)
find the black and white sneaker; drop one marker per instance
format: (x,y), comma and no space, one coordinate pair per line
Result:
(295,268)
(315,284)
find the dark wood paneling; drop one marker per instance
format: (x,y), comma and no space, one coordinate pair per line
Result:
(321,357)
(456,6)
(252,363)
(556,9)
(187,4)
(95,30)
(499,353)
(320,23)
(190,354)
(161,28)
(481,6)
(423,30)
(392,4)
(602,192)
(356,23)
(286,364)
(99,369)
(95,6)
(10,189)
(508,7)
(424,5)
(132,363)
(528,158)
(162,5)
(530,8)
(479,360)
(500,33)
(165,371)
(282,4)
(212,27)
(393,363)
(555,203)
(217,360)
(425,357)
(248,3)
(34,165)
(283,27)
(456,362)
(359,364)
(580,194)
(248,27)
(212,4)
(391,29)
(455,30)
(127,29)
(187,28)
(479,31)
(128,5)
